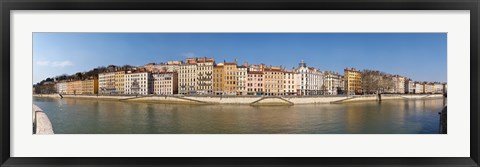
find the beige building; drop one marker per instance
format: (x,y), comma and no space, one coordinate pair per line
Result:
(204,75)
(273,81)
(187,78)
(429,88)
(419,88)
(399,84)
(165,83)
(256,67)
(173,66)
(289,82)
(89,86)
(120,82)
(438,87)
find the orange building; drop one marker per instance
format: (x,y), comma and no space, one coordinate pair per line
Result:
(229,82)
(218,78)
(273,81)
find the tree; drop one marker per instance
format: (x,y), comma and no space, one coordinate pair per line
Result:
(78,75)
(376,81)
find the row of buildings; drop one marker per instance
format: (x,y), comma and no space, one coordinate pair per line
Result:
(202,76)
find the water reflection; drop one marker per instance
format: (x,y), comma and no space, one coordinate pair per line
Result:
(80,116)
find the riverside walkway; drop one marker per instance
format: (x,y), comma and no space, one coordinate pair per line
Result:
(41,123)
(246,100)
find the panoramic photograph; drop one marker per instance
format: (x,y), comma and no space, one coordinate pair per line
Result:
(239,83)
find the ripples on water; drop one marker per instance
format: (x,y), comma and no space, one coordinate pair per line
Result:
(80,116)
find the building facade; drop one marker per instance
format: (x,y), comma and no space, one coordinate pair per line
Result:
(106,83)
(61,87)
(419,88)
(332,83)
(311,80)
(138,83)
(165,83)
(438,88)
(120,82)
(409,86)
(429,88)
(353,81)
(241,80)
(398,84)
(255,83)
(90,86)
(218,78)
(204,70)
(230,79)
(289,85)
(273,81)
(187,78)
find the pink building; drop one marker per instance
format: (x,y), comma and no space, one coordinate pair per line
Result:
(255,83)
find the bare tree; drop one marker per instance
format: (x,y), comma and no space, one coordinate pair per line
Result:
(371,81)
(376,81)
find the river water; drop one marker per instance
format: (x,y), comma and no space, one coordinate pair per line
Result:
(80,116)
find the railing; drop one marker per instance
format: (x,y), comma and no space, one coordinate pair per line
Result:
(41,123)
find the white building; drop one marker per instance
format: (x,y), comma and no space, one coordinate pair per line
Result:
(241,80)
(106,83)
(409,86)
(311,80)
(138,83)
(332,82)
(165,83)
(61,87)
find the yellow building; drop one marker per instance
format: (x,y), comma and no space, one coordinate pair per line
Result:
(273,81)
(70,88)
(77,87)
(229,81)
(89,86)
(353,81)
(218,79)
(74,87)
(120,82)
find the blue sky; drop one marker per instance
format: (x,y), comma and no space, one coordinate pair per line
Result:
(420,56)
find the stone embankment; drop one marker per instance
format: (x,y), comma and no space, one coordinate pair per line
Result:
(41,123)
(246,100)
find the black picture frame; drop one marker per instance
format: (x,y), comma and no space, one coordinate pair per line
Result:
(8,5)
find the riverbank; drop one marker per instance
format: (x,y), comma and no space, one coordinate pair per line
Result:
(41,123)
(247,100)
